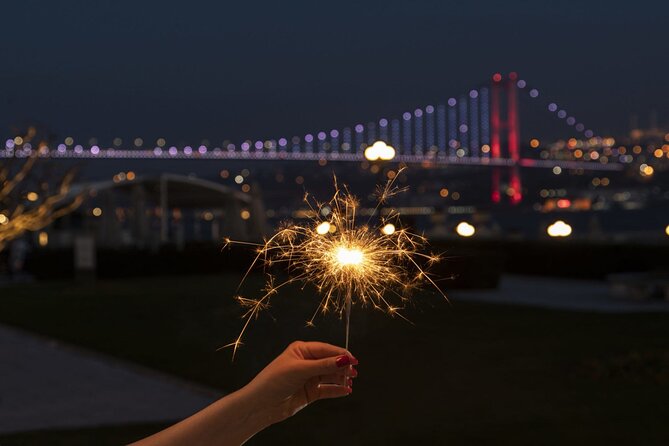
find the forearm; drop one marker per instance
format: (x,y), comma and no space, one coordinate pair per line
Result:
(229,421)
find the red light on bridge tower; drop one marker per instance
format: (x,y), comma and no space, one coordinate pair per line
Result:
(512,127)
(495,143)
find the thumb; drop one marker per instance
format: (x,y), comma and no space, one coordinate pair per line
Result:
(326,366)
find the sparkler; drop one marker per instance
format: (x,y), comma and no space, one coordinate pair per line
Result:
(347,262)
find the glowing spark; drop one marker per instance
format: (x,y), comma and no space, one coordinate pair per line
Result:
(347,262)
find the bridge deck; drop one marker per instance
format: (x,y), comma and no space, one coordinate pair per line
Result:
(430,159)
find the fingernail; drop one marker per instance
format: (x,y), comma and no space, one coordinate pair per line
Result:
(350,382)
(343,361)
(350,390)
(353,373)
(353,358)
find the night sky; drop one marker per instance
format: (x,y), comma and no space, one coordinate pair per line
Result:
(194,70)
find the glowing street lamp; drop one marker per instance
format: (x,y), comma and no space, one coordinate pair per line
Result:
(323,228)
(559,229)
(380,151)
(464,229)
(389,229)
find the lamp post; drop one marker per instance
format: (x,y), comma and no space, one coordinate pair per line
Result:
(559,229)
(380,151)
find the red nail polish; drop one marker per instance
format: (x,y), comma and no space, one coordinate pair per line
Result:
(350,382)
(343,361)
(353,373)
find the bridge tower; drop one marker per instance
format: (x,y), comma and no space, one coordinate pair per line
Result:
(505,86)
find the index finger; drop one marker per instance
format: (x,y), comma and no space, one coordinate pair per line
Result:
(318,350)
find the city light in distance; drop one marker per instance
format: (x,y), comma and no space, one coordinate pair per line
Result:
(32,196)
(465,229)
(563,203)
(380,151)
(666,230)
(97,212)
(646,170)
(3,219)
(43,239)
(559,229)
(245,214)
(534,143)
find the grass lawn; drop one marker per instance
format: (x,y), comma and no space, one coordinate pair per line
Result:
(463,374)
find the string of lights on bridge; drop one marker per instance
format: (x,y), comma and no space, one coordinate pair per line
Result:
(457,132)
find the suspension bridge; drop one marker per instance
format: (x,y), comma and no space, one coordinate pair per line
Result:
(478,128)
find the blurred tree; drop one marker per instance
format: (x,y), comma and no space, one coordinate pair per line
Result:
(31,198)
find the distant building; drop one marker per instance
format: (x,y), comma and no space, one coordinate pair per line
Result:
(147,212)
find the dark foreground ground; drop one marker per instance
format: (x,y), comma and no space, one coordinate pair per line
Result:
(463,374)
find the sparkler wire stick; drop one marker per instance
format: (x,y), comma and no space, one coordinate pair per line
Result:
(349,298)
(348,316)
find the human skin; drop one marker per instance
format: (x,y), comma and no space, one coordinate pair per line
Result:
(305,372)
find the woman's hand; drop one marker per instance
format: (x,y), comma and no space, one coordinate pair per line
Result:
(303,373)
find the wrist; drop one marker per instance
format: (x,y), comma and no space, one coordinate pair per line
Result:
(257,413)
